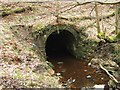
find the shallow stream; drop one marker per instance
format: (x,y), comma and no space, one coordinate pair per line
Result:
(76,73)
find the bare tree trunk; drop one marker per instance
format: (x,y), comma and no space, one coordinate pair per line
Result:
(119,18)
(97,17)
(116,19)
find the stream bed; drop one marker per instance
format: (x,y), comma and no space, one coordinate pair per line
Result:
(76,73)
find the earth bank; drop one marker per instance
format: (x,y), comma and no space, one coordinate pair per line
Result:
(23,61)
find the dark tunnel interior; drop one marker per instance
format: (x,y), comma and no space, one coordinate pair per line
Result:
(59,44)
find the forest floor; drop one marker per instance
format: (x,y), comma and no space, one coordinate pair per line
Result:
(20,65)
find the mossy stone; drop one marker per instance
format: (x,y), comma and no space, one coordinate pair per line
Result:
(101,35)
(5,13)
(118,36)
(19,10)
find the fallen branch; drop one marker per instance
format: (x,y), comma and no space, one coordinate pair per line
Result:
(111,76)
(106,3)
(6,12)
(87,17)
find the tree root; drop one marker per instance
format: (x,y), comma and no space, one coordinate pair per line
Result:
(111,76)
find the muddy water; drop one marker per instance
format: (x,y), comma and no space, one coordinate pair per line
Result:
(76,73)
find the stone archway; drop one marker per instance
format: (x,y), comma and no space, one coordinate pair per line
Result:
(74,43)
(45,33)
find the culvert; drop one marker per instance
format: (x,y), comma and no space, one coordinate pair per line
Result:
(59,49)
(59,44)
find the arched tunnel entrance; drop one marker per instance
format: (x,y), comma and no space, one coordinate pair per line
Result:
(60,49)
(60,44)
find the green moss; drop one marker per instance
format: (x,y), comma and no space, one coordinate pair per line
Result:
(119,10)
(5,13)
(19,10)
(116,53)
(101,35)
(117,60)
(39,27)
(118,36)
(83,28)
(50,64)
(85,47)
(1,8)
(18,74)
(111,38)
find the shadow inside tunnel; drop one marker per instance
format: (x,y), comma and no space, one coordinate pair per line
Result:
(59,44)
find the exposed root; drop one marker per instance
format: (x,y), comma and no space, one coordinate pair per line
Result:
(111,76)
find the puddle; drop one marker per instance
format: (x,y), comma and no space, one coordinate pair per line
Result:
(76,73)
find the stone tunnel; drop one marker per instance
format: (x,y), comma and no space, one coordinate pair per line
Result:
(60,40)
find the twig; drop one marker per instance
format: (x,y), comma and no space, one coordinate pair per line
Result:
(77,4)
(88,17)
(92,10)
(111,76)
(69,8)
(113,3)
